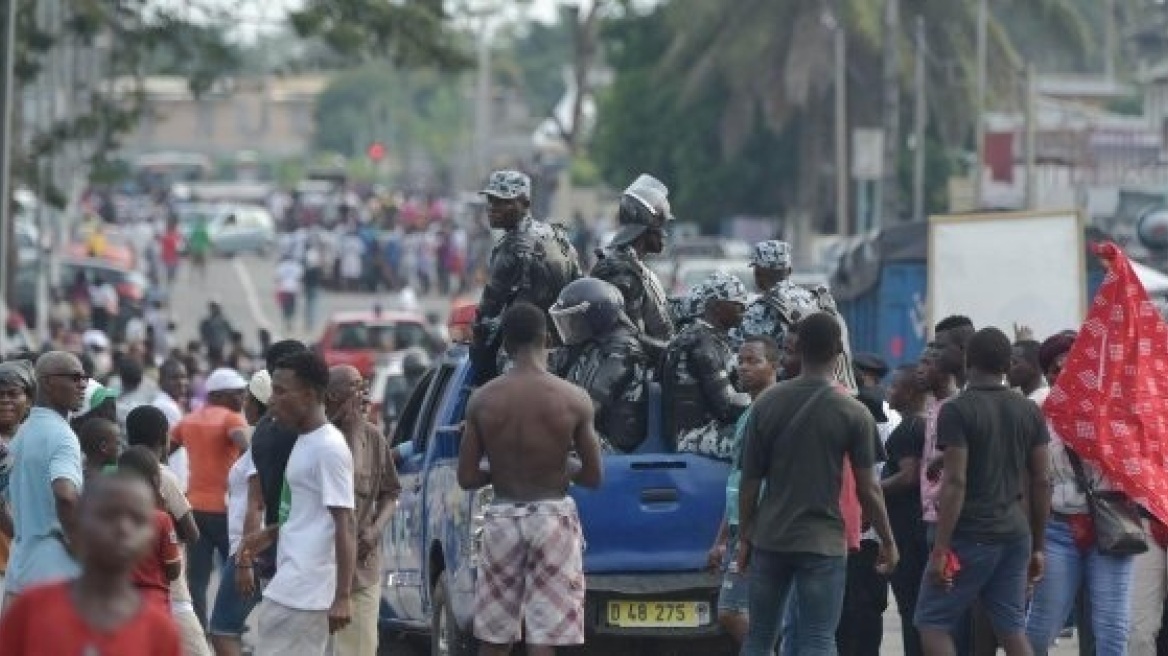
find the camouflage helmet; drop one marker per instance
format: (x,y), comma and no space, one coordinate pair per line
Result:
(722,286)
(508,185)
(695,300)
(771,254)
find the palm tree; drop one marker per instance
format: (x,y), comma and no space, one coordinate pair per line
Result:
(775,59)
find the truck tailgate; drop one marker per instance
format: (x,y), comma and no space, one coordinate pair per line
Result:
(652,513)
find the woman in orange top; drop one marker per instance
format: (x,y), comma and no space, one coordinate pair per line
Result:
(17,390)
(214,436)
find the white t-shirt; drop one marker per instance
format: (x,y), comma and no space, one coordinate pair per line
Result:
(169,407)
(319,476)
(289,275)
(237,477)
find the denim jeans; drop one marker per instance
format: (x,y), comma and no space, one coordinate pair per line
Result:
(818,585)
(1107,580)
(201,557)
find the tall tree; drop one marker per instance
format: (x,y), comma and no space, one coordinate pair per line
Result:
(774,58)
(409,32)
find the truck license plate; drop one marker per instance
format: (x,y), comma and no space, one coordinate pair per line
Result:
(658,614)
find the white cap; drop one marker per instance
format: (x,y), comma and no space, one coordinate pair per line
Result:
(225,378)
(261,386)
(95,339)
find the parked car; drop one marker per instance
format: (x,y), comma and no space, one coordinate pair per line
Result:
(648,529)
(361,338)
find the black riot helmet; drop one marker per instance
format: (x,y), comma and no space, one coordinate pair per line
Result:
(586,309)
(643,205)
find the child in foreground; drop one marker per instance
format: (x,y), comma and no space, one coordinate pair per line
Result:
(162,563)
(101,613)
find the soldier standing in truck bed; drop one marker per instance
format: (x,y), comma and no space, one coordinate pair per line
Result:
(643,214)
(532,262)
(784,303)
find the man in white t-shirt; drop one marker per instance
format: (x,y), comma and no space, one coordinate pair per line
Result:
(309,599)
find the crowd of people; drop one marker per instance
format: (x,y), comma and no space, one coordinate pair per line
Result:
(953,489)
(128,498)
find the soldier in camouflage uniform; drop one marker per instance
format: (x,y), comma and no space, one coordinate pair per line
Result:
(783,303)
(532,262)
(696,386)
(643,214)
(603,355)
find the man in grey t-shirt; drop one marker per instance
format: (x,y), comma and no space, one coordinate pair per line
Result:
(793,537)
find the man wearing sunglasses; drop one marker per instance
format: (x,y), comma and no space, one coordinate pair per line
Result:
(46,449)
(643,215)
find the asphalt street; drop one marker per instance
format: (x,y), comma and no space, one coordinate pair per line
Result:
(246,288)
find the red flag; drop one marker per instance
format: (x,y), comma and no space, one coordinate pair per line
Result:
(1110,403)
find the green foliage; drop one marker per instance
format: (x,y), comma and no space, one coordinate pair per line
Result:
(411,33)
(410,111)
(647,127)
(534,61)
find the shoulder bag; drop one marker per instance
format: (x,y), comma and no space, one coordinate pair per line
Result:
(1118,530)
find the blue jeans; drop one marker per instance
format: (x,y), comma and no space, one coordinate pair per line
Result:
(1107,582)
(229,614)
(201,557)
(817,583)
(992,572)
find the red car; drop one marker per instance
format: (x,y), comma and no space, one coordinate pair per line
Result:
(359,338)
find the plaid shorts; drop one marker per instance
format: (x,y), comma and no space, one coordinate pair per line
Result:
(532,575)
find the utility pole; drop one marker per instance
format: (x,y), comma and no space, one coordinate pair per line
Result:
(889,209)
(980,104)
(842,172)
(482,115)
(920,122)
(1031,127)
(1109,40)
(7,90)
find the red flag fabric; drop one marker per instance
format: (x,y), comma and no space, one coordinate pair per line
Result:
(1110,404)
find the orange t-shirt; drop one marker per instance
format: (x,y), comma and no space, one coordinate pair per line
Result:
(206,433)
(149,574)
(43,622)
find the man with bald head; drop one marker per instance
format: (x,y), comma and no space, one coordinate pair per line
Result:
(45,449)
(377,489)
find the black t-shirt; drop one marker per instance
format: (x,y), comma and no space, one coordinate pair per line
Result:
(271,446)
(999,427)
(803,469)
(906,441)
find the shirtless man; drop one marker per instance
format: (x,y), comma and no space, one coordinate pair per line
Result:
(527,423)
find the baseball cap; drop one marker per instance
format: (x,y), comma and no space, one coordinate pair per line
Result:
(95,395)
(225,378)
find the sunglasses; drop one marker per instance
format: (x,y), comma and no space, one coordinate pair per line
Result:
(76,376)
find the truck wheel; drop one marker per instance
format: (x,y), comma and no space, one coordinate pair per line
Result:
(446,638)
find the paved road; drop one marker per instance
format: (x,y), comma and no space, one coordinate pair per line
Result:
(245,287)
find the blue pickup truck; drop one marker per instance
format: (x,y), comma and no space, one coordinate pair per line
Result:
(647,532)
